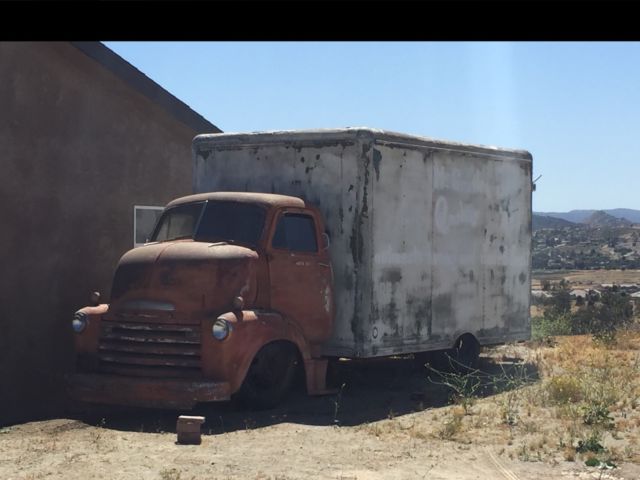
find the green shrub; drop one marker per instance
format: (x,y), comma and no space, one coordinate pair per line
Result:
(601,316)
(592,462)
(603,319)
(550,325)
(590,444)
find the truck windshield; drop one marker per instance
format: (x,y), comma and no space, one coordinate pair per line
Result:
(231,222)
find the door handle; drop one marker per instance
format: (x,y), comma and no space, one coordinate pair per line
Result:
(324,264)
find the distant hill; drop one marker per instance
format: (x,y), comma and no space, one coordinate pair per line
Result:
(541,221)
(600,240)
(580,216)
(575,216)
(626,213)
(602,219)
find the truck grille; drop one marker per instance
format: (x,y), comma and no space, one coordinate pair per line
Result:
(149,349)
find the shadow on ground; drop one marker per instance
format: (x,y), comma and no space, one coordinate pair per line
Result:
(369,390)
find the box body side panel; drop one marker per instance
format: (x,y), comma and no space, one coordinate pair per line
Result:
(402,237)
(452,237)
(332,177)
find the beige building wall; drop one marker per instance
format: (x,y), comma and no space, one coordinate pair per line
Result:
(80,145)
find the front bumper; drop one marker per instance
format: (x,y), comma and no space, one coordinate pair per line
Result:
(144,392)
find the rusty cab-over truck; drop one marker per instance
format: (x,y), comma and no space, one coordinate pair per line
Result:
(302,246)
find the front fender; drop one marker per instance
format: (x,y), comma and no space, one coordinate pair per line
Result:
(231,358)
(86,342)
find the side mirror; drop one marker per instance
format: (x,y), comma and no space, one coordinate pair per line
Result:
(326,241)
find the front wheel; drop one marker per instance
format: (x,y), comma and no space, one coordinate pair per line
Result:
(269,378)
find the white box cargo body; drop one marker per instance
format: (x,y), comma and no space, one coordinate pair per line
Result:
(429,239)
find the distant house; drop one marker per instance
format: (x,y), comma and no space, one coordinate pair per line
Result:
(84,138)
(635,301)
(628,287)
(578,293)
(540,294)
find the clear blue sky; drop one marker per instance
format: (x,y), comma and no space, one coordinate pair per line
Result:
(575,106)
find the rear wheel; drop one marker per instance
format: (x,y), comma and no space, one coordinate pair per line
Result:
(270,376)
(466,354)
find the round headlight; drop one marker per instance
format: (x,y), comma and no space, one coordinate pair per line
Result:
(220,329)
(79,322)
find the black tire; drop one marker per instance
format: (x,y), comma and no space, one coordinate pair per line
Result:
(269,378)
(466,354)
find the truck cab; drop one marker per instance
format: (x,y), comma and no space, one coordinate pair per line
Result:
(232,292)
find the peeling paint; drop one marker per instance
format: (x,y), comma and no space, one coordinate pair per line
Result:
(326,295)
(443,306)
(348,279)
(419,308)
(377,158)
(392,275)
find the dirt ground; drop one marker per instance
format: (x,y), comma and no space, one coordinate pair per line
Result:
(387,422)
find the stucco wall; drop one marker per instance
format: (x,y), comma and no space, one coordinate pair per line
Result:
(78,148)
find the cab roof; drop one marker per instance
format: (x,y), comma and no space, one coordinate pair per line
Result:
(264,199)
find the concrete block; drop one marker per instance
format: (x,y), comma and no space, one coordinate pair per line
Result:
(188,429)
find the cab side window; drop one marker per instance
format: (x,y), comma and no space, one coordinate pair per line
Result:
(295,232)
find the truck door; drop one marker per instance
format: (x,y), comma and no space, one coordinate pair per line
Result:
(300,273)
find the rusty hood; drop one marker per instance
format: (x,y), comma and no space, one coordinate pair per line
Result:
(180,281)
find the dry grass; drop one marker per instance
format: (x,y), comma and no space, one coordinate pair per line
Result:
(587,397)
(587,277)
